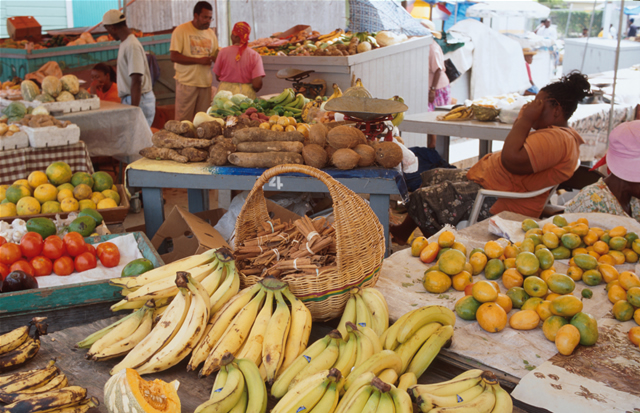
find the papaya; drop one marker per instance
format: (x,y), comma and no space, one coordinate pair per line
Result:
(566,306)
(588,327)
(494,269)
(524,320)
(83,225)
(585,261)
(551,326)
(567,338)
(570,240)
(43,226)
(527,263)
(561,284)
(466,307)
(88,212)
(518,296)
(561,253)
(545,257)
(137,267)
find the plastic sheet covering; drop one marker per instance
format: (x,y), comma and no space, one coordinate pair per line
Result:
(116,130)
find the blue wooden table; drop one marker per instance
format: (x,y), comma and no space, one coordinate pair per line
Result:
(152,176)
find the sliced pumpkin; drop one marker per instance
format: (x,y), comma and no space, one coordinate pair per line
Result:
(128,392)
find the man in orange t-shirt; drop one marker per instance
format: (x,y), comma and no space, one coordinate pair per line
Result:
(529,161)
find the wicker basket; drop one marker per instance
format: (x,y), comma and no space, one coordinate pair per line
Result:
(359,242)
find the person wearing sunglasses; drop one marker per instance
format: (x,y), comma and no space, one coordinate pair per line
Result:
(541,150)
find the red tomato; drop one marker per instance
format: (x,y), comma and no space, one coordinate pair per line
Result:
(22,265)
(75,244)
(10,253)
(41,266)
(2,241)
(110,257)
(31,244)
(105,246)
(53,247)
(91,249)
(4,271)
(63,265)
(85,261)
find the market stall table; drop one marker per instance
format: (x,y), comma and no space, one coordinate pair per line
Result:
(19,163)
(115,130)
(152,176)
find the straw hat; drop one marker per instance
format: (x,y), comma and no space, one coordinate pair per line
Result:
(529,52)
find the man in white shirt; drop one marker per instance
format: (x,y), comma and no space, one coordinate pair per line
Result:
(545,29)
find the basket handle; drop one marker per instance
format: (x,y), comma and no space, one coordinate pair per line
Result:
(288,168)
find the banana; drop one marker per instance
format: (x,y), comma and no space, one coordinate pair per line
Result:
(397,117)
(423,316)
(275,339)
(277,100)
(235,334)
(50,400)
(121,332)
(221,379)
(290,98)
(427,402)
(365,347)
(329,401)
(376,363)
(401,400)
(252,348)
(504,403)
(83,407)
(430,350)
(13,339)
(57,382)
(212,281)
(454,386)
(373,337)
(347,358)
(169,270)
(281,385)
(300,331)
(451,116)
(189,333)
(218,324)
(307,393)
(378,307)
(362,380)
(407,380)
(324,361)
(229,287)
(388,376)
(31,379)
(390,336)
(349,314)
(357,402)
(125,345)
(256,389)
(21,354)
(386,404)
(12,378)
(134,305)
(371,406)
(337,92)
(409,348)
(363,314)
(161,334)
(297,102)
(225,398)
(484,403)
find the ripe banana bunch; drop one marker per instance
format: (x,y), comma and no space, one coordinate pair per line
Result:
(366,307)
(17,347)
(238,388)
(397,117)
(418,336)
(337,92)
(370,394)
(297,103)
(471,391)
(287,96)
(317,393)
(459,113)
(176,334)
(256,324)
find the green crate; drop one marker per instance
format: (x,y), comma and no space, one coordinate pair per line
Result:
(22,303)
(17,62)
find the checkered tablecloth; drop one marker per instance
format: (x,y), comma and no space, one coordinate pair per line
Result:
(19,163)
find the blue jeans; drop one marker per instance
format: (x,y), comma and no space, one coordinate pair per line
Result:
(147,104)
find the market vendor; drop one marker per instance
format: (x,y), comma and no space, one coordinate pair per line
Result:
(239,68)
(528,59)
(529,161)
(194,47)
(134,77)
(103,83)
(618,193)
(439,87)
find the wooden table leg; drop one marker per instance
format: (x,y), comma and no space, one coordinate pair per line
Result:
(485,148)
(380,206)
(153,210)
(442,146)
(198,200)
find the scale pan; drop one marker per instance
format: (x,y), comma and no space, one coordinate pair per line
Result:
(365,108)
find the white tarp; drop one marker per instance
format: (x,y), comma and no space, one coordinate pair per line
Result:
(528,9)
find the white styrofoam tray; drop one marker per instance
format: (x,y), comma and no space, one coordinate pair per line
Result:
(16,141)
(80,105)
(52,136)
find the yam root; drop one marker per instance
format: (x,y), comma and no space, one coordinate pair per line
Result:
(194,155)
(219,153)
(166,139)
(270,147)
(163,154)
(265,135)
(264,160)
(177,127)
(209,130)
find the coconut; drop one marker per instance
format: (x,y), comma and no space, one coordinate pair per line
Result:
(314,155)
(317,135)
(388,154)
(367,155)
(330,151)
(345,158)
(345,137)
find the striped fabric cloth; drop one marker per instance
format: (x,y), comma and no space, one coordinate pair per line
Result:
(19,163)
(374,16)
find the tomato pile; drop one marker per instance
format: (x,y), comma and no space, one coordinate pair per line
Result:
(61,256)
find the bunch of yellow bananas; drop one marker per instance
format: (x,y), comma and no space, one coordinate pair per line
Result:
(17,346)
(459,113)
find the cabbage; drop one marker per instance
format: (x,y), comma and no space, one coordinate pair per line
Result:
(238,98)
(15,111)
(228,104)
(224,94)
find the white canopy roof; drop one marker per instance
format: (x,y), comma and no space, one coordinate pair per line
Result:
(521,8)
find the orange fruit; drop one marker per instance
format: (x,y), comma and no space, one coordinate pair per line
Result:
(493,249)
(618,231)
(496,286)
(551,326)
(452,262)
(512,278)
(601,247)
(544,310)
(446,239)
(511,251)
(461,280)
(590,238)
(546,274)
(478,261)
(579,251)
(429,253)
(566,305)
(567,338)
(580,229)
(548,227)
(527,263)
(535,286)
(505,302)
(527,246)
(634,335)
(630,255)
(607,259)
(622,311)
(491,317)
(611,284)
(609,272)
(575,273)
(550,240)
(460,247)
(417,245)
(484,291)
(524,320)
(618,256)
(636,316)
(582,221)
(616,293)
(599,231)
(436,282)
(628,279)
(552,296)
(509,263)
(633,296)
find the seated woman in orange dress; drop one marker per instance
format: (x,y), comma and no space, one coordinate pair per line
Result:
(104,83)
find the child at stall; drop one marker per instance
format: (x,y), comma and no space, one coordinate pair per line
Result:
(103,83)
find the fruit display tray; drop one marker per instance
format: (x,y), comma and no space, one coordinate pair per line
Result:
(110,215)
(80,105)
(39,301)
(49,136)
(17,141)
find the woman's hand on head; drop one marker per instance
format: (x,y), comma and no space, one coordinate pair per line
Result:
(532,110)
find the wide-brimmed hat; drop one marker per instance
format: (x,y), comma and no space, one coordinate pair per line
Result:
(529,52)
(113,17)
(623,155)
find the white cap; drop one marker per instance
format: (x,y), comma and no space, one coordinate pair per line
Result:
(113,17)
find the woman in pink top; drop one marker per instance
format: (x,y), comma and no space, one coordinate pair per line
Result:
(439,89)
(239,68)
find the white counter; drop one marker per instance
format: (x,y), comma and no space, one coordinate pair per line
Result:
(600,54)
